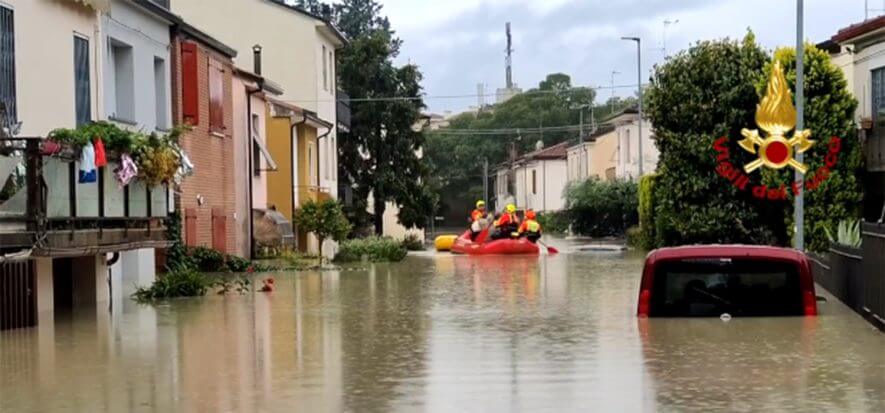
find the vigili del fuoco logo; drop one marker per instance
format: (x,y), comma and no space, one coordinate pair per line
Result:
(776,116)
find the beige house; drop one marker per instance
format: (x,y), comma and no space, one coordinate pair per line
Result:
(613,151)
(298,52)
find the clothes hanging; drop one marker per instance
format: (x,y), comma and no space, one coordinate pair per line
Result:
(100,157)
(126,171)
(87,165)
(186,167)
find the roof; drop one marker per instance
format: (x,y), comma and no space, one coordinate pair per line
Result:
(186,28)
(859,29)
(334,30)
(310,117)
(829,46)
(558,151)
(725,251)
(266,84)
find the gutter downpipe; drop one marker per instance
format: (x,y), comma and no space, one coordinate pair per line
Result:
(293,140)
(320,158)
(256,57)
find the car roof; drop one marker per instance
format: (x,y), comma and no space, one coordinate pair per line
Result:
(722,250)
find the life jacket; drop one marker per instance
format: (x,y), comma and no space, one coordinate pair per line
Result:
(476,215)
(507,219)
(530,225)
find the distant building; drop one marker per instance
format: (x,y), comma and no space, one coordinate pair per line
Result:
(613,151)
(504,94)
(859,50)
(534,181)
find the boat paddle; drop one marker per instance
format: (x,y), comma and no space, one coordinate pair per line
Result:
(550,250)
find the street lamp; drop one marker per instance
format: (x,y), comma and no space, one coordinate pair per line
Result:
(581,108)
(639,89)
(800,122)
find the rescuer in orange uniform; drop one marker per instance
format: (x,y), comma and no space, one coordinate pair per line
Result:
(508,223)
(530,228)
(477,219)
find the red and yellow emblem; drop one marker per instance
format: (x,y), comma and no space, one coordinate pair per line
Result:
(776,115)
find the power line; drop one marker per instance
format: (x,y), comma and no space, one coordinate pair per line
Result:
(510,131)
(464,96)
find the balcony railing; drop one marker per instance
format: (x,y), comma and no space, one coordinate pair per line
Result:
(343,111)
(42,205)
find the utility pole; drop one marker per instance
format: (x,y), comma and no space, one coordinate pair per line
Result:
(581,122)
(800,121)
(667,23)
(611,100)
(639,90)
(485,179)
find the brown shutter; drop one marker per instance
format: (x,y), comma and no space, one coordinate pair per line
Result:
(190,227)
(190,91)
(219,230)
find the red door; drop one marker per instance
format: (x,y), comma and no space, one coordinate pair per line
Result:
(190,227)
(219,229)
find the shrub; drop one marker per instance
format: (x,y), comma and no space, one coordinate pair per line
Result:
(645,238)
(375,249)
(601,208)
(413,242)
(325,219)
(554,222)
(182,282)
(239,264)
(635,237)
(208,259)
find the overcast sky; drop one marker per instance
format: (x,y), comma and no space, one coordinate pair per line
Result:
(460,43)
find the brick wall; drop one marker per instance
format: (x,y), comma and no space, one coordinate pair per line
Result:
(210,152)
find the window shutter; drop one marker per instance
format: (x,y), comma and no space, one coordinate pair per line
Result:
(7,63)
(216,96)
(190,91)
(82,89)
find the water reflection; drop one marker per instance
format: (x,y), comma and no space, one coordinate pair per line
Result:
(441,333)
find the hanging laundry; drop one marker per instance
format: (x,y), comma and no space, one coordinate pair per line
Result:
(100,157)
(126,171)
(87,164)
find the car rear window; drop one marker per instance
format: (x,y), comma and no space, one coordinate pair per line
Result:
(739,287)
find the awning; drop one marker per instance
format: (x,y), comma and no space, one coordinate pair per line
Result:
(100,5)
(271,165)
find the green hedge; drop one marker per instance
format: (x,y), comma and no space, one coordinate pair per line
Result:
(554,222)
(601,208)
(645,238)
(375,249)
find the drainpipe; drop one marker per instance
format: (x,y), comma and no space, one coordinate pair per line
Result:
(293,139)
(256,53)
(319,158)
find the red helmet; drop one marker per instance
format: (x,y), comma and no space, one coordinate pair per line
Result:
(530,214)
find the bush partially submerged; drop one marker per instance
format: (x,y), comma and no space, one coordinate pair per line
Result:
(413,242)
(188,282)
(554,222)
(374,249)
(601,208)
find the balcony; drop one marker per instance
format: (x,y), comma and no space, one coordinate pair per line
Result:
(45,209)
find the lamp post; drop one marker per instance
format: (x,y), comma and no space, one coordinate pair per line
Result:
(611,100)
(800,122)
(639,91)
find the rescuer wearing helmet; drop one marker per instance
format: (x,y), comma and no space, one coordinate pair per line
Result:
(508,223)
(530,228)
(478,220)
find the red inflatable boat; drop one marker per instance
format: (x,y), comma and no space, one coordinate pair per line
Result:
(463,245)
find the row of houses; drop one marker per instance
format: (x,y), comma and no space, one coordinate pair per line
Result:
(537,180)
(254,79)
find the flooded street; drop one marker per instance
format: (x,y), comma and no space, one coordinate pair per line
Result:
(442,333)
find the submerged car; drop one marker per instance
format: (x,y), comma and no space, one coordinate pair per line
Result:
(737,280)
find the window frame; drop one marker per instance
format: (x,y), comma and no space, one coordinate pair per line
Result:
(325,70)
(215,92)
(10,96)
(82,110)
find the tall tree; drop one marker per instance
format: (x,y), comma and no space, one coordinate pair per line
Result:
(379,156)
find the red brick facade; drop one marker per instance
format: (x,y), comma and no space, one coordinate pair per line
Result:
(210,224)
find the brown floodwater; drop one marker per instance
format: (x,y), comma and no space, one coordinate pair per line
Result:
(441,333)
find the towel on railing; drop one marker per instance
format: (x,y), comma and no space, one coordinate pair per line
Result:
(87,164)
(126,171)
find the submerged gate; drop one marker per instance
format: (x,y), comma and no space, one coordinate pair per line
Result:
(18,295)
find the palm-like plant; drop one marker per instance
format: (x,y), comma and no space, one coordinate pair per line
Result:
(847,233)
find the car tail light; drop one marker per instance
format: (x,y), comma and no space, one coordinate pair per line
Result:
(644,307)
(809,301)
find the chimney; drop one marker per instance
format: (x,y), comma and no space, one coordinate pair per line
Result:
(256,59)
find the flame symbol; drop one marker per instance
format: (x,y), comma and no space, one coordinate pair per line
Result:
(777,116)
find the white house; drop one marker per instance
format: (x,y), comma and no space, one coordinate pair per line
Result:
(534,181)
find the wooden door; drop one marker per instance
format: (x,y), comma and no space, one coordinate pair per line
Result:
(18,295)
(219,230)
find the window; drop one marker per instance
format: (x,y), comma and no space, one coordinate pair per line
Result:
(216,96)
(878,86)
(325,74)
(190,92)
(256,150)
(534,181)
(160,92)
(124,81)
(7,63)
(710,287)
(332,77)
(82,95)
